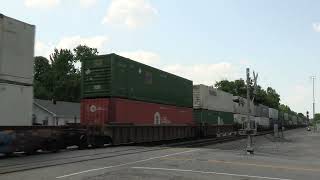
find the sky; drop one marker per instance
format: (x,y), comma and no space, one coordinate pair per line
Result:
(205,41)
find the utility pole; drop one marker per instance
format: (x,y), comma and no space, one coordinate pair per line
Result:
(313,97)
(249,140)
(249,130)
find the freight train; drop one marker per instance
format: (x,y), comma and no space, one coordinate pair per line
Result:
(123,101)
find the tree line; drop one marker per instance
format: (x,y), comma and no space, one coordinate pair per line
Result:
(268,97)
(58,78)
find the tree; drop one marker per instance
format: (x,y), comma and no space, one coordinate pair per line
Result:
(267,97)
(284,108)
(237,87)
(42,78)
(273,98)
(61,79)
(82,51)
(316,119)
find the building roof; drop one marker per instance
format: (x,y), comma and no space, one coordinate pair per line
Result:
(60,109)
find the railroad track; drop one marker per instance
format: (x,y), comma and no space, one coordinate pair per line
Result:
(17,167)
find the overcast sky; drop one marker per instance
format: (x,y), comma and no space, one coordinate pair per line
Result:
(202,40)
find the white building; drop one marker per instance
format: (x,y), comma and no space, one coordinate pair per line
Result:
(49,113)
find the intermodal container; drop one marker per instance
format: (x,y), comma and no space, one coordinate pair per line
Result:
(240,118)
(263,122)
(16,50)
(207,97)
(261,110)
(115,76)
(294,119)
(286,117)
(273,114)
(203,116)
(104,111)
(15,105)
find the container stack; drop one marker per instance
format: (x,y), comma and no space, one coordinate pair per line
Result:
(262,116)
(286,118)
(294,120)
(212,106)
(240,110)
(118,90)
(273,116)
(16,71)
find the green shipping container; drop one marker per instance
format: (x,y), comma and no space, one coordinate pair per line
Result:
(203,116)
(115,76)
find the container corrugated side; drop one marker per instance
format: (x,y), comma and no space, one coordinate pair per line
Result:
(16,50)
(286,116)
(263,122)
(203,116)
(16,105)
(273,114)
(261,110)
(206,97)
(241,118)
(115,76)
(123,111)
(294,120)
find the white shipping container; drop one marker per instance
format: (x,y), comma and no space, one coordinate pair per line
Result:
(261,110)
(273,114)
(15,105)
(206,97)
(263,122)
(16,50)
(241,118)
(286,116)
(240,106)
(294,120)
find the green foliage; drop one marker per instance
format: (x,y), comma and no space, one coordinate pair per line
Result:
(301,115)
(317,118)
(42,78)
(272,98)
(284,108)
(237,87)
(267,97)
(60,79)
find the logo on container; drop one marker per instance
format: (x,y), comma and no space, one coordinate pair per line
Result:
(94,108)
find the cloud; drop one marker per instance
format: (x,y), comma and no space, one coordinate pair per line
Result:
(146,57)
(299,97)
(316,27)
(131,13)
(73,41)
(41,4)
(200,73)
(87,3)
(204,73)
(45,49)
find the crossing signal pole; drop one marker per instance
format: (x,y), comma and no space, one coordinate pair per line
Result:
(249,129)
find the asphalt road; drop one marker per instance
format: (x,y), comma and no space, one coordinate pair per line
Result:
(293,158)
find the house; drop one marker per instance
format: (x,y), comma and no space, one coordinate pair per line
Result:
(55,113)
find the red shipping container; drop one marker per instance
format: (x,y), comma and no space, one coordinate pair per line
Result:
(123,111)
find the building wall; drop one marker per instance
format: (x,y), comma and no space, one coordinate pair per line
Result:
(41,117)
